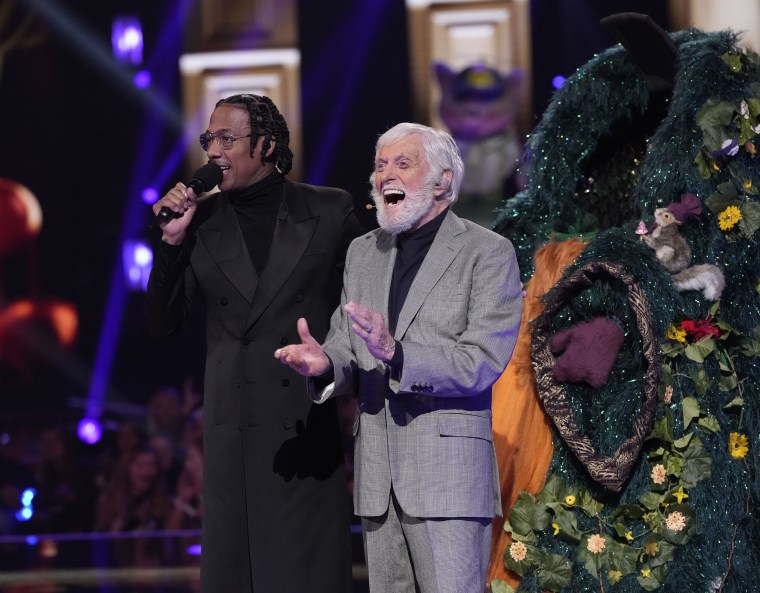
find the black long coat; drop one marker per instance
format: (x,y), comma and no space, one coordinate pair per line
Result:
(276,515)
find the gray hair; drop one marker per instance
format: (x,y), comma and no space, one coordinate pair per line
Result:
(440,152)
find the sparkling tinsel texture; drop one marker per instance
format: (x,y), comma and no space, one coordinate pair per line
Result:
(606,154)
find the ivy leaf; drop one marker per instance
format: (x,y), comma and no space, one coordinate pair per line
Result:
(553,491)
(701,381)
(714,119)
(568,526)
(587,503)
(554,572)
(627,511)
(710,423)
(672,348)
(737,402)
(499,586)
(697,463)
(665,553)
(526,516)
(728,382)
(654,580)
(622,557)
(520,537)
(703,164)
(651,500)
(674,466)
(684,441)
(662,429)
(733,61)
(750,221)
(690,409)
(700,350)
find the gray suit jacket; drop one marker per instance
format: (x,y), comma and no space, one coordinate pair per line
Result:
(426,430)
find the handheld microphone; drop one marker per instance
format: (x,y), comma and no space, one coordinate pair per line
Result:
(204,179)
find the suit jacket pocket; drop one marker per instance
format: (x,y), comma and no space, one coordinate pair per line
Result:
(459,424)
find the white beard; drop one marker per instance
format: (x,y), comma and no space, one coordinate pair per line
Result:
(413,208)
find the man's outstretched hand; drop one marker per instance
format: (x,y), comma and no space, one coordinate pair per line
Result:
(307,358)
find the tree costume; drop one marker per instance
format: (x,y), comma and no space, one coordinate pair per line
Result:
(652,481)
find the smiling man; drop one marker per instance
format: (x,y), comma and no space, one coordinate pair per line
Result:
(262,252)
(429,316)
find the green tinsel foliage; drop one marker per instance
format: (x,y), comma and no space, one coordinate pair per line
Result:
(600,163)
(596,161)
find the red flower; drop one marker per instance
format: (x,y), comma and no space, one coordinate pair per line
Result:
(699,329)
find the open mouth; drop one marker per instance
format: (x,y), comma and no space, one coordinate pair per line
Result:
(393,196)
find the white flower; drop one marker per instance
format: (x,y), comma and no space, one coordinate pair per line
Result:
(744,109)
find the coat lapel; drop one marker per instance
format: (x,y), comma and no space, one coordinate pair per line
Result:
(442,252)
(223,239)
(292,234)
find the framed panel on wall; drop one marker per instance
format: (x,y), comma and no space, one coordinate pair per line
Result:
(460,33)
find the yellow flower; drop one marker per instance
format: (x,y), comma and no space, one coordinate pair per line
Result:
(738,444)
(676,333)
(652,548)
(675,521)
(716,166)
(659,473)
(729,218)
(747,183)
(570,499)
(614,576)
(556,528)
(595,544)
(679,495)
(518,551)
(645,572)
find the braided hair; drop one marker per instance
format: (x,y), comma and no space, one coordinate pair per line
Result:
(267,121)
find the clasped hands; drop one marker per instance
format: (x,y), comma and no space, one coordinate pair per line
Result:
(308,358)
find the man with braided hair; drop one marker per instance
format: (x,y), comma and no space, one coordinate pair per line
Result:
(263,252)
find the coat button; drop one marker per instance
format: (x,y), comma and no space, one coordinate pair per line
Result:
(285,382)
(223,301)
(246,340)
(299,298)
(287,424)
(284,341)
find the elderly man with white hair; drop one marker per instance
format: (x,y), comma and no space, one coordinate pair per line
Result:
(428,320)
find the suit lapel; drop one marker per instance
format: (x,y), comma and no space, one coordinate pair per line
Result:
(292,234)
(383,271)
(223,239)
(442,252)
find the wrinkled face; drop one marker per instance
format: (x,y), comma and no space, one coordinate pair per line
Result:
(404,190)
(239,167)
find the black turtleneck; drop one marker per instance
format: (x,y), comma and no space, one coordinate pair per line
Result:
(412,249)
(256,208)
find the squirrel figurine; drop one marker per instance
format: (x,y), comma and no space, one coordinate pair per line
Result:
(674,252)
(669,245)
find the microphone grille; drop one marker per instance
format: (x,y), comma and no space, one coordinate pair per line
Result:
(210,175)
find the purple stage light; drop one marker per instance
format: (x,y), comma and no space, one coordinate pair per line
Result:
(194,550)
(142,79)
(138,260)
(150,195)
(127,40)
(558,81)
(89,430)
